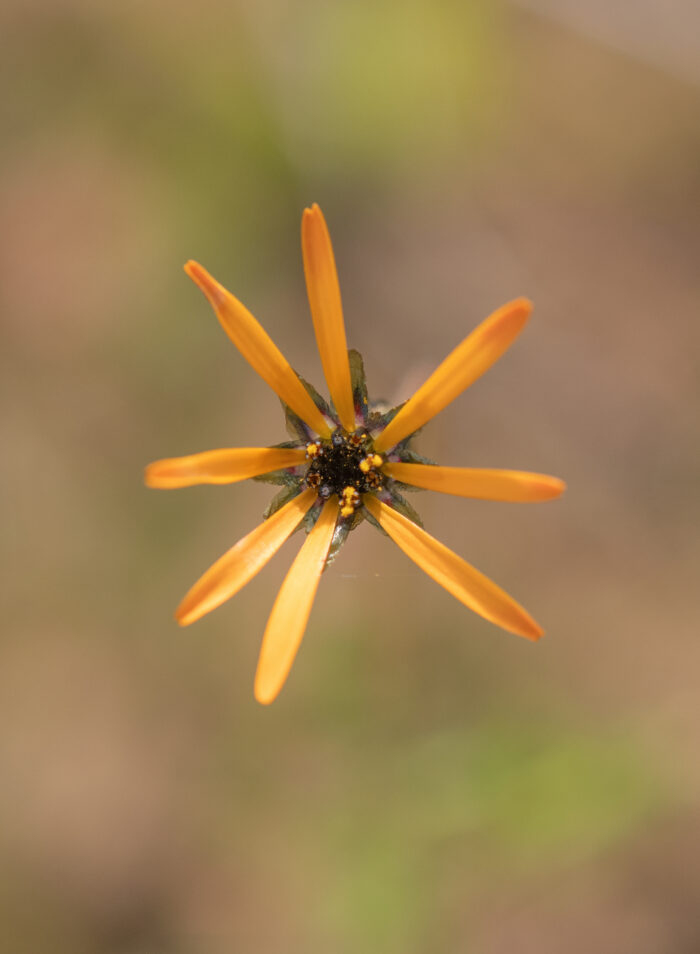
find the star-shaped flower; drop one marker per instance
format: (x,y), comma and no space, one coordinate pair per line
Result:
(348,461)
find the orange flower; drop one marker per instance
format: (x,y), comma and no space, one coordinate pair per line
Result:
(347,462)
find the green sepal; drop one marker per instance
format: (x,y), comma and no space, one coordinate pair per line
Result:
(403,506)
(359,385)
(342,531)
(408,456)
(403,448)
(373,522)
(320,402)
(379,419)
(297,428)
(340,535)
(404,488)
(288,445)
(282,477)
(283,497)
(309,519)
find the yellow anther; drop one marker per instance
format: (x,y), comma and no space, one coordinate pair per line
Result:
(365,465)
(350,499)
(377,460)
(312,450)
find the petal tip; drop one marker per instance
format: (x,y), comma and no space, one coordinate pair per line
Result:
(156,475)
(520,306)
(191,268)
(530,630)
(518,310)
(312,215)
(263,695)
(182,616)
(149,478)
(206,282)
(265,688)
(559,488)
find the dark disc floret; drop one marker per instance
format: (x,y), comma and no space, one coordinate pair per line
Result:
(345,465)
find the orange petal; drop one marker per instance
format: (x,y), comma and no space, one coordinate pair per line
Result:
(221,466)
(469,360)
(258,349)
(240,564)
(327,312)
(457,576)
(514,485)
(290,614)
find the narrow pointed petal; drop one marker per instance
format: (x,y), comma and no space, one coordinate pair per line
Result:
(290,614)
(518,486)
(225,466)
(243,561)
(258,348)
(457,576)
(469,360)
(327,312)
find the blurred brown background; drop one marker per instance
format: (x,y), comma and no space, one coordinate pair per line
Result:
(425,784)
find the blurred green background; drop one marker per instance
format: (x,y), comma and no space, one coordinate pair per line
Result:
(425,784)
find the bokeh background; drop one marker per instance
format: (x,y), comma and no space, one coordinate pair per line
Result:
(425,784)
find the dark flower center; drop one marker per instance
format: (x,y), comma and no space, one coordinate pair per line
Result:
(345,463)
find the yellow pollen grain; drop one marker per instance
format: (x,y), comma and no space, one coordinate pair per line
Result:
(312,450)
(365,465)
(377,460)
(347,511)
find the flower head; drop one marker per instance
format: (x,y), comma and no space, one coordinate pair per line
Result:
(347,462)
